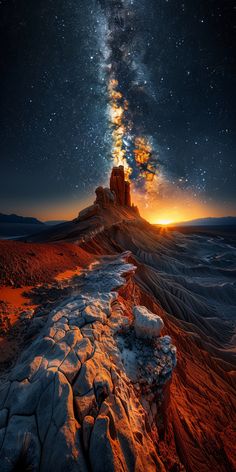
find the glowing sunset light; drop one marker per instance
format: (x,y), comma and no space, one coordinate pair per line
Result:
(164,222)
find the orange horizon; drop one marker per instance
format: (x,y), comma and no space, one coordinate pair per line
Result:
(160,212)
(162,203)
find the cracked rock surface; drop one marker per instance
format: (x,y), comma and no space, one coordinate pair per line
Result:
(78,399)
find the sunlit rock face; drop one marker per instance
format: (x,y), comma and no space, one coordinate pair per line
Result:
(146,323)
(77,399)
(118,193)
(120,186)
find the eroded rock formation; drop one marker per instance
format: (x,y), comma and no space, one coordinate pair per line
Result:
(120,187)
(117,197)
(79,399)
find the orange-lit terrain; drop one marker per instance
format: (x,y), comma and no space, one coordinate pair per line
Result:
(23,267)
(103,408)
(200,410)
(27,264)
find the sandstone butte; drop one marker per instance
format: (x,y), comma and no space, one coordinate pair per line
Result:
(132,366)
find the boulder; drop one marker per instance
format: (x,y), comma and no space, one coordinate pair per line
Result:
(146,324)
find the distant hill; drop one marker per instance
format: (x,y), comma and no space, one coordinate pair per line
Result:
(13,226)
(211,221)
(16,219)
(54,222)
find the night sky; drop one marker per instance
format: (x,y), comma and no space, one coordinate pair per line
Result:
(175,64)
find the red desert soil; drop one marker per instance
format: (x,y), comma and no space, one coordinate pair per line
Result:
(23,264)
(13,301)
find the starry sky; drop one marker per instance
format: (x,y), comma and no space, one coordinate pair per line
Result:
(176,66)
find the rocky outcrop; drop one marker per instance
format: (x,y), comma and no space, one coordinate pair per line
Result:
(120,186)
(118,193)
(146,324)
(105,197)
(117,196)
(73,400)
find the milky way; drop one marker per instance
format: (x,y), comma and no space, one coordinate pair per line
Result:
(174,65)
(134,98)
(122,49)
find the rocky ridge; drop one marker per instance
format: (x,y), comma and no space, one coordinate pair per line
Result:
(79,397)
(189,277)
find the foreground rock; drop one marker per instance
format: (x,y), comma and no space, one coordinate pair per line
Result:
(146,323)
(70,403)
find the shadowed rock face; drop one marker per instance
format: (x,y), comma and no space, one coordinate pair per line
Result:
(71,403)
(105,197)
